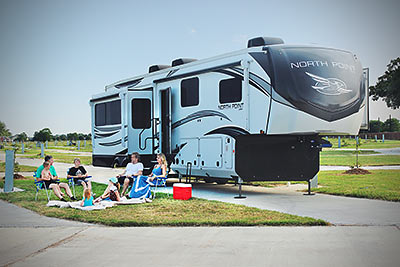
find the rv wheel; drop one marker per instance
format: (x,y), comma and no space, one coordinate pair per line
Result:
(221,181)
(209,180)
(115,164)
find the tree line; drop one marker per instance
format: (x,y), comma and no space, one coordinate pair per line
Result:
(43,135)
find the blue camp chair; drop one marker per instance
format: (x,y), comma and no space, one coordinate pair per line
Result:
(160,182)
(40,185)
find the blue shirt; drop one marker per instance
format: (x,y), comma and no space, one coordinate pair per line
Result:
(87,202)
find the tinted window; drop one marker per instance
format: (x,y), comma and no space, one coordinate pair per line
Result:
(100,114)
(230,90)
(190,92)
(141,113)
(108,113)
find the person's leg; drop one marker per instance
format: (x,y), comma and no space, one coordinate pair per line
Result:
(89,185)
(126,184)
(66,188)
(83,185)
(56,190)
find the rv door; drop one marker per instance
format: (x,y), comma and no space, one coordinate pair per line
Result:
(166,121)
(140,127)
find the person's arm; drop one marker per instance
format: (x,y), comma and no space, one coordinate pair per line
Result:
(117,195)
(82,202)
(85,174)
(43,176)
(53,172)
(121,174)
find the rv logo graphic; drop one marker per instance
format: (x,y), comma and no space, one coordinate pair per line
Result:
(329,86)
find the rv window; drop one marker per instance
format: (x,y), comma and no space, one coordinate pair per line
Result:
(230,90)
(108,113)
(141,113)
(190,92)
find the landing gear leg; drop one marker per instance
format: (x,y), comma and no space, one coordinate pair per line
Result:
(309,189)
(240,181)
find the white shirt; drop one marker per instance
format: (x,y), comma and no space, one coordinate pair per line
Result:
(132,169)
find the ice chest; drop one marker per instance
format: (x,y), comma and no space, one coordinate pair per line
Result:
(182,191)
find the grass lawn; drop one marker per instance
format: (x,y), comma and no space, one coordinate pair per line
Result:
(22,168)
(369,143)
(363,160)
(61,157)
(163,211)
(380,184)
(334,152)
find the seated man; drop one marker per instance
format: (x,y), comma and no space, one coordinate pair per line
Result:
(133,169)
(54,177)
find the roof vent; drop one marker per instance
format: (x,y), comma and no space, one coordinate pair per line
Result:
(154,68)
(181,61)
(261,41)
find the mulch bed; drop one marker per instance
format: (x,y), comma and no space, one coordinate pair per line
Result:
(357,171)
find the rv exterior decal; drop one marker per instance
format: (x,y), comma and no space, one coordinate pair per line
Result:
(197,72)
(114,143)
(104,135)
(107,129)
(231,131)
(198,115)
(129,84)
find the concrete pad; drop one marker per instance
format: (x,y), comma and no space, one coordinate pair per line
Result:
(225,246)
(18,243)
(334,209)
(14,216)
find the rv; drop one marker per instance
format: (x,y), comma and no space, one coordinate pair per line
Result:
(255,114)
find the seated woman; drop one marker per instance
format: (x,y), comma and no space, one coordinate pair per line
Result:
(79,173)
(111,192)
(52,183)
(141,186)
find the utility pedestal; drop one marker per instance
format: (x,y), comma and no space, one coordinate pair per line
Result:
(9,179)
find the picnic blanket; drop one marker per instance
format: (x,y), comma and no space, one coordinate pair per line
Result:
(97,206)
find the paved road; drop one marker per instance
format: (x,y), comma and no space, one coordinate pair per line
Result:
(90,245)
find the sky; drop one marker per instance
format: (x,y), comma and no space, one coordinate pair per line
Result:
(56,54)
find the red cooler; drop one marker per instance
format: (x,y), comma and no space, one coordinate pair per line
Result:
(182,191)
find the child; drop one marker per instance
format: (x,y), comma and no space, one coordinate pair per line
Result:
(87,199)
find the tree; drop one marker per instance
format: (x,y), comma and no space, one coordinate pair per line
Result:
(391,125)
(63,137)
(22,137)
(43,135)
(3,130)
(388,85)
(375,126)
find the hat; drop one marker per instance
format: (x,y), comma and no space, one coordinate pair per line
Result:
(113,180)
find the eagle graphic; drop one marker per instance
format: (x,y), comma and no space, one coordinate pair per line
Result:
(329,86)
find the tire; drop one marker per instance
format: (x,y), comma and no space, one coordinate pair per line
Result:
(115,164)
(209,180)
(221,181)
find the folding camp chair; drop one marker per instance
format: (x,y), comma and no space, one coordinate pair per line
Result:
(71,182)
(160,182)
(40,185)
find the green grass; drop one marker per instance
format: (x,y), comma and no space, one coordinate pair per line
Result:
(380,184)
(163,211)
(334,152)
(369,143)
(22,168)
(62,157)
(347,160)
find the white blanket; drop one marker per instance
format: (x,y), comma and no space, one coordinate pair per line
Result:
(97,206)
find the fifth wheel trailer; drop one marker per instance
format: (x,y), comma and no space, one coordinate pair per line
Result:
(254,114)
